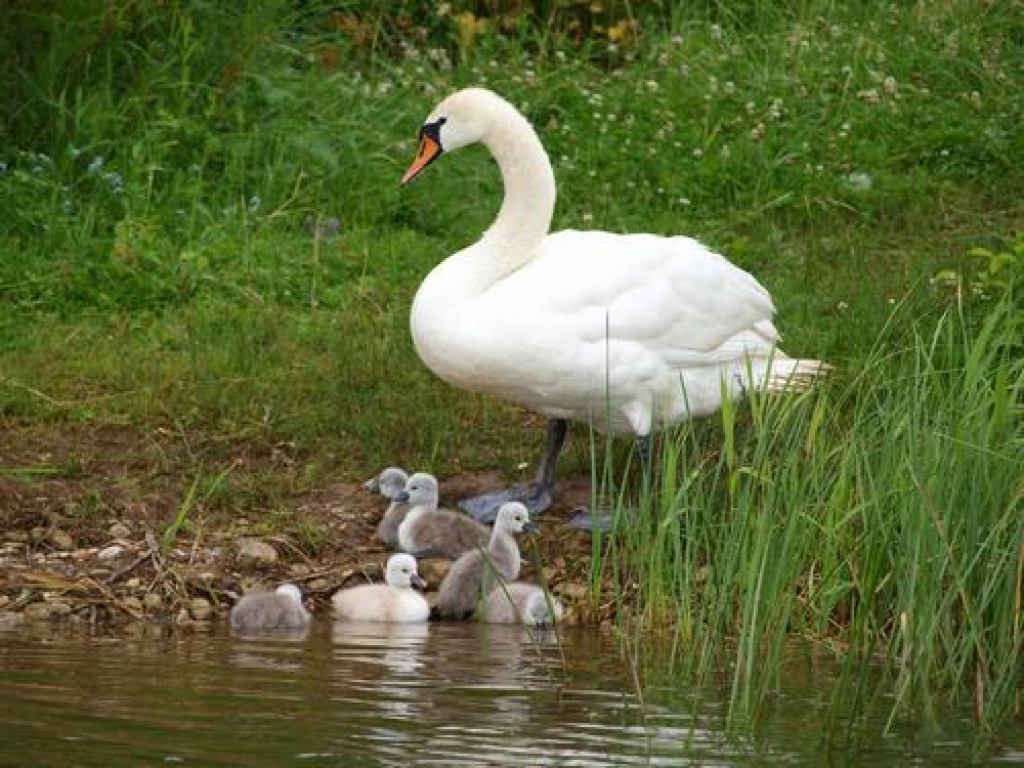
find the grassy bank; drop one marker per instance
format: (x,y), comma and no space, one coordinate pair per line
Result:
(204,234)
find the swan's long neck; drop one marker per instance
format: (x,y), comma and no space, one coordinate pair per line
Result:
(504,553)
(525,215)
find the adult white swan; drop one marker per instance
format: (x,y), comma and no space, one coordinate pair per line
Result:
(627,332)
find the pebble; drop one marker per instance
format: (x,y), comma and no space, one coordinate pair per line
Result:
(433,570)
(61,539)
(152,602)
(59,608)
(120,531)
(572,591)
(298,570)
(183,617)
(318,585)
(133,583)
(200,609)
(112,552)
(36,612)
(256,552)
(10,619)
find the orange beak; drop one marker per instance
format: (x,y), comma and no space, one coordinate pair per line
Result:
(428,152)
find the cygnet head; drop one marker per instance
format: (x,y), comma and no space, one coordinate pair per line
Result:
(290,590)
(389,482)
(401,572)
(514,517)
(420,489)
(462,119)
(539,613)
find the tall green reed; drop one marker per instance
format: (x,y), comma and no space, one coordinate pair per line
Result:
(879,515)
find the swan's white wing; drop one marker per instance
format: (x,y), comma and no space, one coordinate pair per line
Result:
(673,296)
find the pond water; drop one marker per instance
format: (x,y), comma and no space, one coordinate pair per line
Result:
(458,694)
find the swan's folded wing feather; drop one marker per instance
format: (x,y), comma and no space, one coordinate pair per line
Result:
(670,292)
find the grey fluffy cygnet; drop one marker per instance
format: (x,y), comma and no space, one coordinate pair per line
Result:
(396,600)
(389,483)
(431,532)
(520,603)
(476,573)
(280,609)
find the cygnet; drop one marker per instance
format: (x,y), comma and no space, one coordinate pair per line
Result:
(431,532)
(280,609)
(396,600)
(476,573)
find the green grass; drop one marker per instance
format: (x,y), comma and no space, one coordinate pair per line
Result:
(204,232)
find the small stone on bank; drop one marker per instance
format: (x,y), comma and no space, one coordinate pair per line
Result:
(119,531)
(200,609)
(112,552)
(61,539)
(256,552)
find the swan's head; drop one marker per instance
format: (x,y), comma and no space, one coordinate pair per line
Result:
(290,590)
(514,517)
(388,483)
(401,572)
(420,490)
(462,119)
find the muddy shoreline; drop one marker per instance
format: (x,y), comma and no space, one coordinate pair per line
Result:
(93,532)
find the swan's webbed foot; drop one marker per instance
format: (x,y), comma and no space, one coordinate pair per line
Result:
(601,521)
(484,508)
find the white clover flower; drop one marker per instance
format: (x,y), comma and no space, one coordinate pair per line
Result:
(698,152)
(651,86)
(716,32)
(842,306)
(729,87)
(663,60)
(889,85)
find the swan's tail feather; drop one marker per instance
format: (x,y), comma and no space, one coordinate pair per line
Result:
(794,376)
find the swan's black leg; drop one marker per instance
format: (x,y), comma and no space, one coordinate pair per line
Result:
(545,481)
(536,495)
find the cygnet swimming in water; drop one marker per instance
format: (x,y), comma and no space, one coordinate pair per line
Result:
(431,532)
(280,609)
(520,603)
(389,483)
(396,600)
(476,573)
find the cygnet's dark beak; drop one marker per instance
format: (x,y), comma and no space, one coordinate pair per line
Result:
(531,528)
(418,582)
(401,497)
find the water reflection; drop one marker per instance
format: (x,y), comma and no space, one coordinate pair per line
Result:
(344,694)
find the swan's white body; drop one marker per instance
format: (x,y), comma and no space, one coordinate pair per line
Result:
(628,332)
(395,601)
